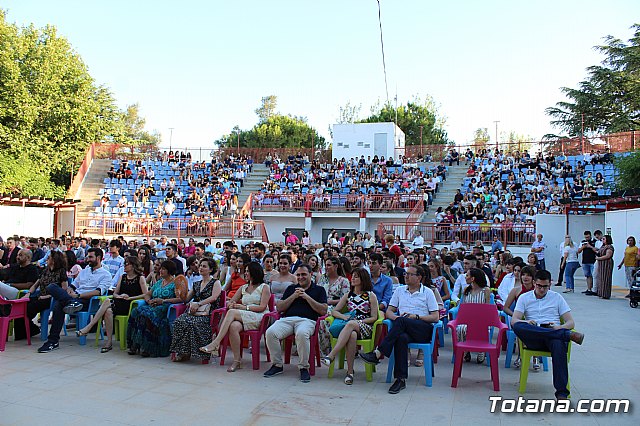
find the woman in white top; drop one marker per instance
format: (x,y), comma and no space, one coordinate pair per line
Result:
(284,278)
(227,268)
(570,257)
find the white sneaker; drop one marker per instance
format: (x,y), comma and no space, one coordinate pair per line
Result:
(536,363)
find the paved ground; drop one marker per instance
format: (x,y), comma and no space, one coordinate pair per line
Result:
(78,385)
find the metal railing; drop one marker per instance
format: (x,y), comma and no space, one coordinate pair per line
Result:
(174,228)
(434,233)
(337,202)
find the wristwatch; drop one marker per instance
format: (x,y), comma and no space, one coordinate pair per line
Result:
(247,307)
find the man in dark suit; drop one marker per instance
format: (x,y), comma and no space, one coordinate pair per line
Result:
(10,255)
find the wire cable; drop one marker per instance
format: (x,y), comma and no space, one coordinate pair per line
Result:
(384,65)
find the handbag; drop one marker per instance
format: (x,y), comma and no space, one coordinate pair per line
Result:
(203,310)
(338,324)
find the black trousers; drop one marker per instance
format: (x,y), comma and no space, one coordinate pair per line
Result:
(404,331)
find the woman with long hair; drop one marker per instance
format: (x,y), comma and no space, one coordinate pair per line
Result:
(314,262)
(227,267)
(361,313)
(387,268)
(477,291)
(630,261)
(73,269)
(237,277)
(131,286)
(346,266)
(246,309)
(439,281)
(605,267)
(284,278)
(144,255)
(570,260)
(336,285)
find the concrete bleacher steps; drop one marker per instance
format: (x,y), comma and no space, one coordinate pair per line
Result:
(253,183)
(93,183)
(447,191)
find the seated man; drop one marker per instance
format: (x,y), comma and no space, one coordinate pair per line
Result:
(93,280)
(19,276)
(413,309)
(299,308)
(536,321)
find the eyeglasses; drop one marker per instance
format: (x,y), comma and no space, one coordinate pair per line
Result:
(543,286)
(412,274)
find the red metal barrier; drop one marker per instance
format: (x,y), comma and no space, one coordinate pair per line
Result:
(337,202)
(82,172)
(175,228)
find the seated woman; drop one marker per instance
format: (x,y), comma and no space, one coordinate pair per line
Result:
(477,291)
(439,281)
(192,329)
(284,278)
(246,315)
(148,331)
(131,286)
(237,276)
(361,312)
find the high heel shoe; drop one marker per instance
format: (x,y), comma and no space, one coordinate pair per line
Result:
(79,333)
(212,352)
(237,365)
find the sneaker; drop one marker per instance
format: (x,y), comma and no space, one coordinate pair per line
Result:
(586,292)
(273,371)
(305,377)
(397,386)
(48,347)
(536,363)
(516,363)
(589,293)
(480,358)
(73,307)
(370,358)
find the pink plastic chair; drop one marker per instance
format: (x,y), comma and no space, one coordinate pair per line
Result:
(252,336)
(478,317)
(18,310)
(314,349)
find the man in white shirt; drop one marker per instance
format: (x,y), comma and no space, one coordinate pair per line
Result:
(470,261)
(413,309)
(538,248)
(418,241)
(456,244)
(537,322)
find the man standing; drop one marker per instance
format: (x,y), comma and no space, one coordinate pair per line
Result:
(542,328)
(299,308)
(538,248)
(588,250)
(161,254)
(413,309)
(382,284)
(258,253)
(93,280)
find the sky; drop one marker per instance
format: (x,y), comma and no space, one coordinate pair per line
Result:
(201,67)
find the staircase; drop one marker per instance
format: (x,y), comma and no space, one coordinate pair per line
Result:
(93,182)
(446,191)
(253,182)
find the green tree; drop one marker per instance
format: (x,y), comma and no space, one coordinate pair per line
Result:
(130,128)
(608,101)
(267,107)
(349,113)
(412,118)
(629,171)
(481,138)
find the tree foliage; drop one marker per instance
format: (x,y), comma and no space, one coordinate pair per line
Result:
(481,138)
(608,101)
(410,118)
(274,130)
(629,171)
(51,109)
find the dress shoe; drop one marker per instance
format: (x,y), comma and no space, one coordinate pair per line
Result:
(576,337)
(397,386)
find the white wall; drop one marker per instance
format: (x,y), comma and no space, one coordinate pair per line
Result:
(621,224)
(27,221)
(65,223)
(354,140)
(276,225)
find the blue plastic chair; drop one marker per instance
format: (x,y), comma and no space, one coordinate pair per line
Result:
(427,348)
(511,344)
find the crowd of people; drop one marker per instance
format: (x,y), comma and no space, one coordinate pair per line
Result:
(294,286)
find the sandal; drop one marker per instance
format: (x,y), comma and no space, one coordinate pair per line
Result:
(516,363)
(132,351)
(106,349)
(326,360)
(467,357)
(237,365)
(213,352)
(79,333)
(419,363)
(348,380)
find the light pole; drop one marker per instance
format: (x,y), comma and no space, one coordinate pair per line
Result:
(421,142)
(170,137)
(496,122)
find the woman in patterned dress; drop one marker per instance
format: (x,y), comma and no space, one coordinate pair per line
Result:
(148,331)
(477,291)
(193,329)
(336,285)
(246,309)
(361,312)
(605,267)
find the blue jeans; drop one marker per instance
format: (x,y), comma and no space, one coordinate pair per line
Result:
(569,271)
(62,299)
(541,264)
(554,341)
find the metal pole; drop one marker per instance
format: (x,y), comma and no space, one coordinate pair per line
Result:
(238,143)
(582,133)
(170,137)
(313,149)
(496,122)
(421,153)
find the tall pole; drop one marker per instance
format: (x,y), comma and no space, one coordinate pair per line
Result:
(582,133)
(313,149)
(238,142)
(496,122)
(170,137)
(421,154)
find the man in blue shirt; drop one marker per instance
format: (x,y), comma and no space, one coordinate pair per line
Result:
(382,284)
(496,245)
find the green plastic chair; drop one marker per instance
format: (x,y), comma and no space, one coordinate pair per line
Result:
(525,360)
(121,322)
(367,345)
(99,335)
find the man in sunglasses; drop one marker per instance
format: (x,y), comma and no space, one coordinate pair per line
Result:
(542,320)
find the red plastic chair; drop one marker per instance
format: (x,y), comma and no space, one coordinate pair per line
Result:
(252,336)
(18,310)
(478,317)
(314,349)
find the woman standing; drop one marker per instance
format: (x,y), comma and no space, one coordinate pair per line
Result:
(570,259)
(148,331)
(605,267)
(246,310)
(630,261)
(192,329)
(306,241)
(131,286)
(361,312)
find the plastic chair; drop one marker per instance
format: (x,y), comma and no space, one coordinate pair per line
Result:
(121,322)
(18,310)
(367,345)
(83,317)
(427,348)
(511,344)
(99,330)
(478,317)
(314,347)
(252,336)
(525,360)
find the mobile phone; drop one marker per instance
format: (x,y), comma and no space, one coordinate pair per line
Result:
(547,325)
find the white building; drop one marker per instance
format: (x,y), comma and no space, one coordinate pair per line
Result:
(368,139)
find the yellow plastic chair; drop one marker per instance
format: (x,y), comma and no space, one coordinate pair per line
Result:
(99,335)
(525,360)
(367,345)
(121,322)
